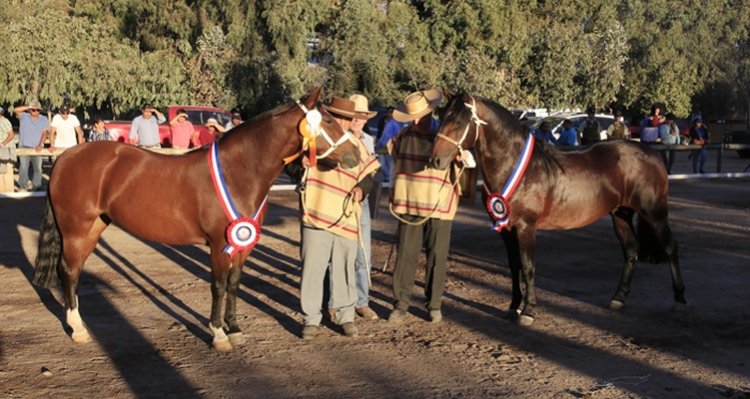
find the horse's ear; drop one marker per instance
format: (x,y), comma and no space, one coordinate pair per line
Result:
(312,99)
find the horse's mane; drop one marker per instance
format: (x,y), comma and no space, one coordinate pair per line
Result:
(500,117)
(273,112)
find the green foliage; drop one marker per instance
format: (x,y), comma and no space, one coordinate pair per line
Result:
(255,55)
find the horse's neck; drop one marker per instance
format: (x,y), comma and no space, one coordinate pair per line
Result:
(499,154)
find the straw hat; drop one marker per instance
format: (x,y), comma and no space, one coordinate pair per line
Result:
(342,107)
(361,106)
(417,105)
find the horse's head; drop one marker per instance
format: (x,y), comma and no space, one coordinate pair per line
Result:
(459,126)
(324,136)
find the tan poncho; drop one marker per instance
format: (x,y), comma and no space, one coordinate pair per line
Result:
(419,189)
(327,200)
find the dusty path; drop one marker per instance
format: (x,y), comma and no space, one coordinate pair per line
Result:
(147,306)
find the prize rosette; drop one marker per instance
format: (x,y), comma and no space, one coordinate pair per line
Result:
(243,233)
(497,208)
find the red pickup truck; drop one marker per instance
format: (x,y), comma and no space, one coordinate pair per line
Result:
(198,115)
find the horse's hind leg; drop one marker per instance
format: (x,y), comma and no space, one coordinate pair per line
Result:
(669,245)
(622,220)
(234,332)
(77,247)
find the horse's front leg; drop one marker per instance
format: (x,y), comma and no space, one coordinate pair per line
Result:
(510,238)
(220,268)
(234,332)
(526,245)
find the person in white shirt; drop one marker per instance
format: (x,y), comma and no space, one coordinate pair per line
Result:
(63,130)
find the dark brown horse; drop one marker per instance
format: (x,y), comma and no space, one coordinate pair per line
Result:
(172,199)
(559,190)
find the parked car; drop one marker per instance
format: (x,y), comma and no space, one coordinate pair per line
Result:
(529,113)
(197,114)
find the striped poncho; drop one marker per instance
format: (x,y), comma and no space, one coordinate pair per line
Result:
(327,200)
(419,189)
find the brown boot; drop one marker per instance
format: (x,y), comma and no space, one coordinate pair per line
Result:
(366,313)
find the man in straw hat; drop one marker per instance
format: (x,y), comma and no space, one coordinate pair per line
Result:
(331,205)
(424,200)
(33,131)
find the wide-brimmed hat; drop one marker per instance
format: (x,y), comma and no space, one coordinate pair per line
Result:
(35,105)
(417,105)
(342,107)
(361,106)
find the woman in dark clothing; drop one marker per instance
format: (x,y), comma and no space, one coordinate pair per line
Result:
(699,136)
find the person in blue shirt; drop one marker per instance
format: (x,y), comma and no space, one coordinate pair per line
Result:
(568,134)
(391,128)
(544,133)
(33,131)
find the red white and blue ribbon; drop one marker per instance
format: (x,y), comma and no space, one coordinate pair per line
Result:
(243,232)
(497,204)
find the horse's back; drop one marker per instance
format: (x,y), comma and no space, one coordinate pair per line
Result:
(144,192)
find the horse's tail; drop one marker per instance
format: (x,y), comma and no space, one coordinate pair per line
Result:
(49,251)
(649,249)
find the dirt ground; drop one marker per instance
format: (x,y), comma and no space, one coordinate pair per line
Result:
(147,305)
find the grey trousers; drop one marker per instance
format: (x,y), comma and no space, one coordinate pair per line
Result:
(435,236)
(320,247)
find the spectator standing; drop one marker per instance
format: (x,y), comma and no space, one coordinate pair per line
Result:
(669,134)
(234,122)
(6,130)
(425,200)
(183,131)
(568,134)
(7,152)
(544,134)
(650,125)
(33,131)
(390,129)
(144,130)
(618,130)
(99,132)
(330,229)
(65,130)
(214,131)
(699,136)
(362,264)
(589,130)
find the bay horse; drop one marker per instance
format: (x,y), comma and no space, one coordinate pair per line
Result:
(531,186)
(173,199)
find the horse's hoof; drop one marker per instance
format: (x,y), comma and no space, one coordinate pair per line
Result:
(513,314)
(679,306)
(236,338)
(616,304)
(525,320)
(81,337)
(223,345)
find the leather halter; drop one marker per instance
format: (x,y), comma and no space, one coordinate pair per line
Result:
(474,118)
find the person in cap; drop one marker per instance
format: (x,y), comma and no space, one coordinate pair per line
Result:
(425,201)
(214,132)
(32,131)
(144,130)
(590,131)
(236,120)
(65,130)
(330,212)
(618,130)
(183,131)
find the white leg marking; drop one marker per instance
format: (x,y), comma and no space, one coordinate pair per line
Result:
(221,341)
(80,334)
